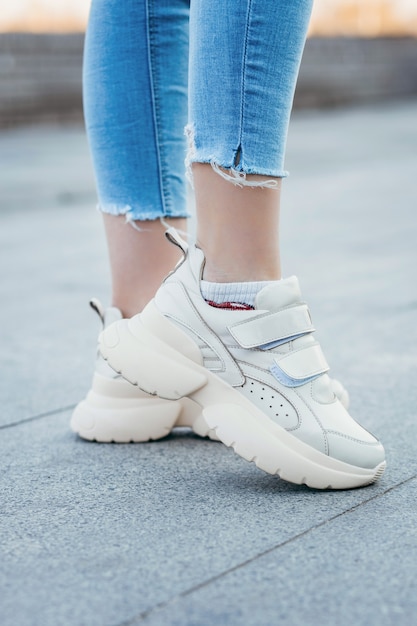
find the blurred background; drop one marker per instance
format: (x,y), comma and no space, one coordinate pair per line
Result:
(357,52)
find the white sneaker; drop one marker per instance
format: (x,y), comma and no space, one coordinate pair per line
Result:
(259,376)
(115,410)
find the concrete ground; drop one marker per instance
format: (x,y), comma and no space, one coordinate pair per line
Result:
(182,532)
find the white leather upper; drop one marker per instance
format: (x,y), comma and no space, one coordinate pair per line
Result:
(229,343)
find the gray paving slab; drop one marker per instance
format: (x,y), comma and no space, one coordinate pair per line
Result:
(98,535)
(182,531)
(356,568)
(52,259)
(52,262)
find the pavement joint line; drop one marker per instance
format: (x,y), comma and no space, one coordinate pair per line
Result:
(162,605)
(37,417)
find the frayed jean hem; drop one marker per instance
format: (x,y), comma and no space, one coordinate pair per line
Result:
(134,214)
(237,175)
(234,171)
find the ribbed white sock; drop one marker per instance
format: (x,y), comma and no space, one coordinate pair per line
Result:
(233,293)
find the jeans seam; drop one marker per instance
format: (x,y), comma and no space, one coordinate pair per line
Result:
(153,79)
(243,85)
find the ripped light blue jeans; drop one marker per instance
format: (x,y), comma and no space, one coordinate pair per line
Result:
(224,69)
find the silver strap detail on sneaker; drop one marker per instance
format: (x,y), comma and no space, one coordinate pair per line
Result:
(273,327)
(297,368)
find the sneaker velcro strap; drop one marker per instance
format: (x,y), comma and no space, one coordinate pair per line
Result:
(297,368)
(276,327)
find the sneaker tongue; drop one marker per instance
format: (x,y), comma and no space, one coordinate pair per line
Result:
(279,294)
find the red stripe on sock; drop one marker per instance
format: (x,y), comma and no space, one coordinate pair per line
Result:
(233,306)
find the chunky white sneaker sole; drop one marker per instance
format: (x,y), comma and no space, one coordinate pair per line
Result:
(116,411)
(151,352)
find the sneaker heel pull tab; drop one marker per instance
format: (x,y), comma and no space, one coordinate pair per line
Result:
(172,235)
(98,308)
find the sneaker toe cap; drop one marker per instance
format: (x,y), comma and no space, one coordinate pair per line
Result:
(358,453)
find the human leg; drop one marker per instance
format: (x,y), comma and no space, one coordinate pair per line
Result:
(135,103)
(259,375)
(252,253)
(262,44)
(139,259)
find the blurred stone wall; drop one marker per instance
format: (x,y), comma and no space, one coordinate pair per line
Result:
(40,78)
(40,75)
(348,70)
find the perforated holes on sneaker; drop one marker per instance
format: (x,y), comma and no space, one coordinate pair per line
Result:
(271,402)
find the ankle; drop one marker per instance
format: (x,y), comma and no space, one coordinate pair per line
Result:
(241,270)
